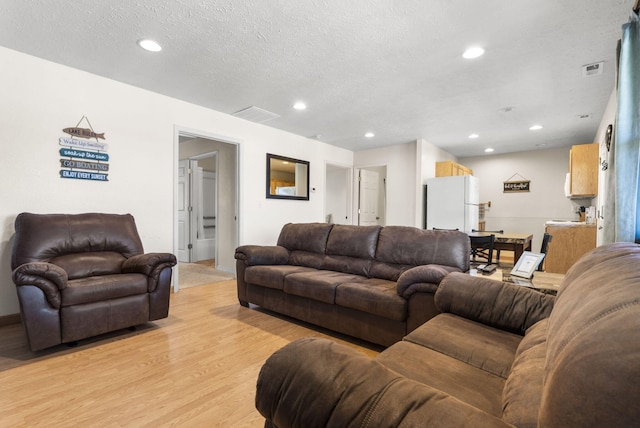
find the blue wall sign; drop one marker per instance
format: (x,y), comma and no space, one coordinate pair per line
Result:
(82,154)
(64,173)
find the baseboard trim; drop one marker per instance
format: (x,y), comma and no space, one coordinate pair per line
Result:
(10,319)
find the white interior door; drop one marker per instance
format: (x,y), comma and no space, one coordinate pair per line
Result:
(368,199)
(184,190)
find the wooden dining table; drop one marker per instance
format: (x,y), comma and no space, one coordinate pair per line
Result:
(509,241)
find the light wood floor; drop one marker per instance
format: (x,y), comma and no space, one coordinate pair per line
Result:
(197,368)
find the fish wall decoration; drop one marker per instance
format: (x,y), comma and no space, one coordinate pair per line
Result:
(83,133)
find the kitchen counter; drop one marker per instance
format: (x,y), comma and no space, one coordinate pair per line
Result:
(569,223)
(569,241)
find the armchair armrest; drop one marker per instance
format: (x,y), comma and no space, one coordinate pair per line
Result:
(498,304)
(423,279)
(315,382)
(46,276)
(149,264)
(254,255)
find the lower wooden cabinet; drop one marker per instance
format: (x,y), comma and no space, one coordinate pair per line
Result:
(569,242)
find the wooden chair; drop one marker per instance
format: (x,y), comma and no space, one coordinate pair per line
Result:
(493,231)
(546,238)
(482,246)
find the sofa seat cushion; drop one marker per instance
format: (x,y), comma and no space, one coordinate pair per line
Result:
(271,276)
(317,285)
(105,287)
(522,393)
(479,345)
(374,296)
(474,386)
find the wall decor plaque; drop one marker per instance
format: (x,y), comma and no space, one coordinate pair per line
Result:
(516,186)
(82,153)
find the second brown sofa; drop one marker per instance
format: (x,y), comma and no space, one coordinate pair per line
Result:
(371,282)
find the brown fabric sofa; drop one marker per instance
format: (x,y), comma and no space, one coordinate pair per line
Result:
(85,274)
(499,355)
(371,282)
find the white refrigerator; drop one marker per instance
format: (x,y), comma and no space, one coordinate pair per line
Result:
(452,203)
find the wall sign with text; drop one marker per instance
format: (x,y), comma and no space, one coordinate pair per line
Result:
(82,154)
(516,186)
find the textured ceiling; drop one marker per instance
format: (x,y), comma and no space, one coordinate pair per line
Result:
(393,67)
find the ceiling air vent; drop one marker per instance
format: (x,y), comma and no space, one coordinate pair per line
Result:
(256,114)
(592,69)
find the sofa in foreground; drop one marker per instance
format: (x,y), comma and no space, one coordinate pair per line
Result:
(81,275)
(499,355)
(371,282)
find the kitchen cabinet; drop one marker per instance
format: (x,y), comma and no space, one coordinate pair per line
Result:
(583,170)
(449,168)
(570,241)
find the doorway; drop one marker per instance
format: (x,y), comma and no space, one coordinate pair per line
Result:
(337,208)
(197,208)
(206,201)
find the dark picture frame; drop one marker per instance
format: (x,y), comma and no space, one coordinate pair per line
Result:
(287,178)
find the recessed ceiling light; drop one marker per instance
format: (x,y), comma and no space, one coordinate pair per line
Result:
(300,106)
(472,136)
(488,150)
(536,127)
(149,45)
(369,135)
(473,52)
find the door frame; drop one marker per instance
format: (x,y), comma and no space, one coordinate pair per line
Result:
(179,131)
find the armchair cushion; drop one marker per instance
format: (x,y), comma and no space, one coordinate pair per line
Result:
(104,287)
(81,265)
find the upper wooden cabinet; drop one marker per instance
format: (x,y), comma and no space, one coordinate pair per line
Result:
(583,170)
(449,168)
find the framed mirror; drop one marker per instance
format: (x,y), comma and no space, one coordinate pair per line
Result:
(287,178)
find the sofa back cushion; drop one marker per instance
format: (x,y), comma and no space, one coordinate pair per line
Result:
(44,237)
(592,373)
(402,247)
(351,249)
(309,237)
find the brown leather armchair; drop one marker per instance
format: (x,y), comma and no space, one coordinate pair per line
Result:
(81,275)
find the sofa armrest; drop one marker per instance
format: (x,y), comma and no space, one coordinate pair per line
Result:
(498,304)
(315,382)
(423,279)
(254,255)
(149,264)
(46,276)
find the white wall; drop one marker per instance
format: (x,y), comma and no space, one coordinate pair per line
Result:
(40,98)
(525,212)
(401,179)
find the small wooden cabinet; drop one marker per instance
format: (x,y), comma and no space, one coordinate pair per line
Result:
(583,170)
(449,168)
(569,242)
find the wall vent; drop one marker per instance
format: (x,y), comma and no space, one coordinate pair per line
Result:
(256,114)
(593,69)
